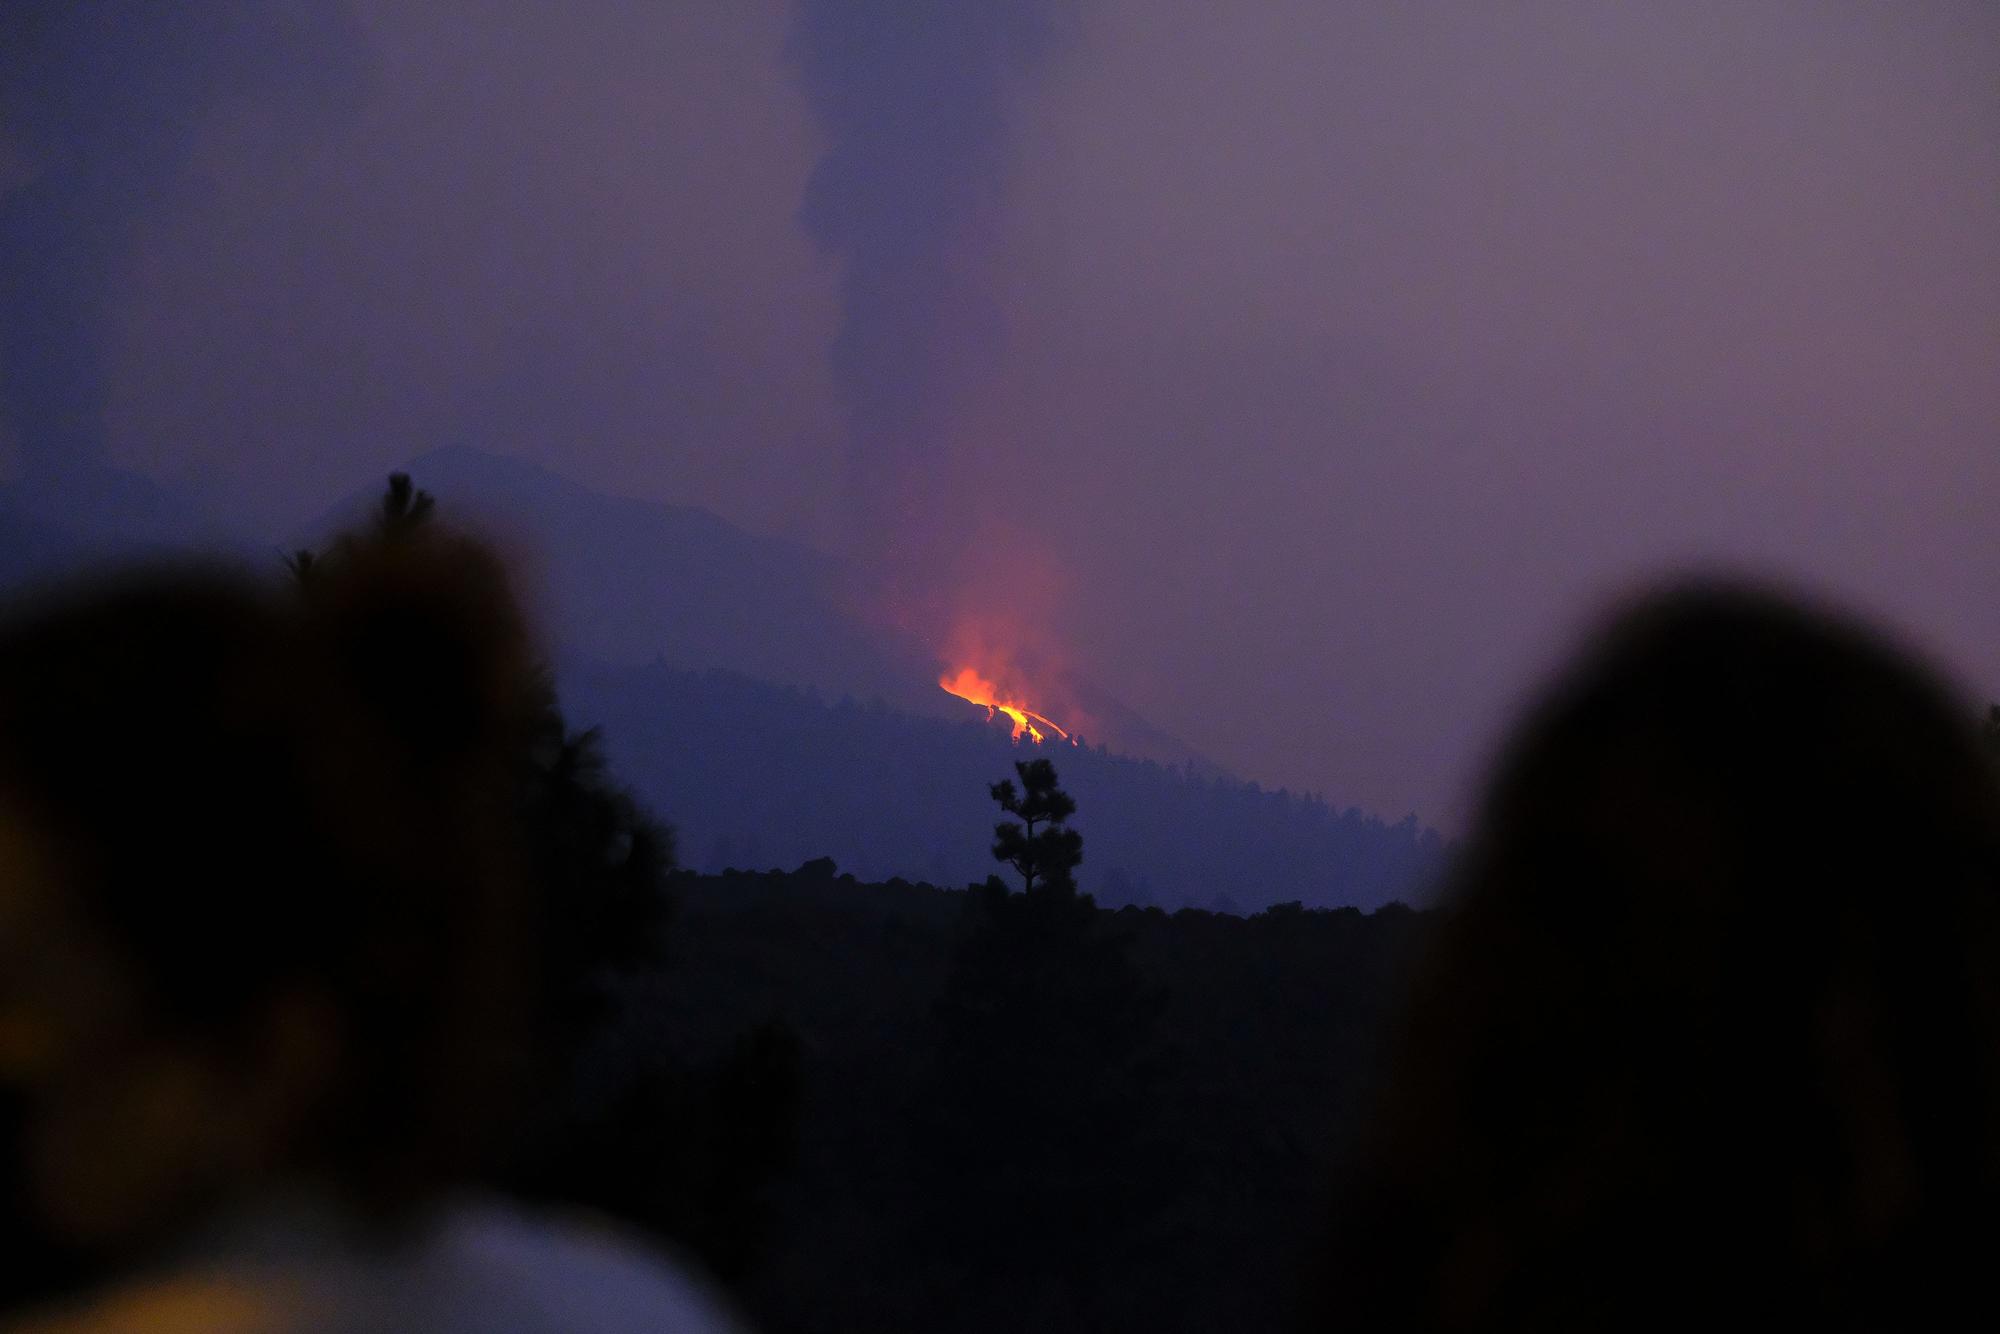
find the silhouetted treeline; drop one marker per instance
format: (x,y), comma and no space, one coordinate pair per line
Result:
(892,1106)
(784,776)
(596,860)
(895,1107)
(757,776)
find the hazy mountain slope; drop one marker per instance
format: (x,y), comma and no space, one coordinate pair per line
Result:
(623,580)
(32,550)
(631,581)
(757,775)
(52,530)
(669,627)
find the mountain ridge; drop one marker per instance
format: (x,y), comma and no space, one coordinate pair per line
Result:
(756,776)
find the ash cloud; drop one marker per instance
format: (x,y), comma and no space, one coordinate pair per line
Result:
(916,102)
(100,109)
(1302,370)
(265,249)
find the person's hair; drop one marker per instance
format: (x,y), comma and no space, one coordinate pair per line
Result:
(253,791)
(1711,1024)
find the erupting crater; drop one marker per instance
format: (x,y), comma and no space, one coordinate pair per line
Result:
(970,685)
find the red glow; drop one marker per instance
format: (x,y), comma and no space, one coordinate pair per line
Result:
(970,685)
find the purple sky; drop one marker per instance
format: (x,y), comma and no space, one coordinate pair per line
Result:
(1329,361)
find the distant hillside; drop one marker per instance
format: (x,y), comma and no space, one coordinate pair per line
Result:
(99,514)
(634,581)
(669,625)
(759,776)
(627,581)
(31,550)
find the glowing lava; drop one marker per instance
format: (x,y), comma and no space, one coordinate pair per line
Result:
(970,685)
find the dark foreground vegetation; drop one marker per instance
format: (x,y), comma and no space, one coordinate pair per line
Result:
(1643,1058)
(894,1106)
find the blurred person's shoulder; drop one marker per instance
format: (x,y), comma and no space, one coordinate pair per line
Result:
(481,1267)
(570,1273)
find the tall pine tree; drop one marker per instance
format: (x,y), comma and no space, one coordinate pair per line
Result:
(1040,847)
(1034,1131)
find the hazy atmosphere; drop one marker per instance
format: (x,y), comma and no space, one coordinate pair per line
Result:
(1298,373)
(999,666)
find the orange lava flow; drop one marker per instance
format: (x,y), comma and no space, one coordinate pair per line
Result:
(970,685)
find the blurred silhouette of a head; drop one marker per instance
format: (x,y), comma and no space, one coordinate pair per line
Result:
(1712,1019)
(259,902)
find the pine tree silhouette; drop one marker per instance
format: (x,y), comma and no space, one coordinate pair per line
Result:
(1033,1129)
(404,507)
(404,511)
(679,1143)
(1046,858)
(598,861)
